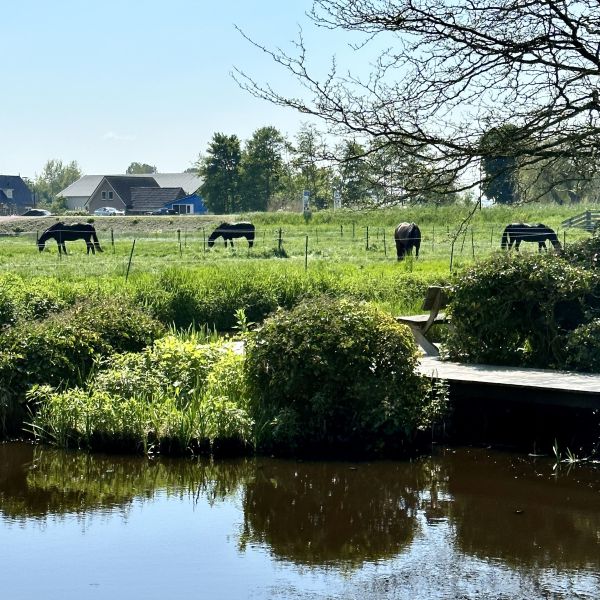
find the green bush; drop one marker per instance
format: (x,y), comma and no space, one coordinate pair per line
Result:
(518,310)
(62,349)
(583,348)
(334,376)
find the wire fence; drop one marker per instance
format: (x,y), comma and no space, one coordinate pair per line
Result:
(148,250)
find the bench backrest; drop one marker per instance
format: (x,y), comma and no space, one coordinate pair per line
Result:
(435,299)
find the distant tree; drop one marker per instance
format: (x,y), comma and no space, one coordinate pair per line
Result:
(309,154)
(500,166)
(54,178)
(220,169)
(262,168)
(355,179)
(136,168)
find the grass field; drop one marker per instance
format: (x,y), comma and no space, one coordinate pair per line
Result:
(328,239)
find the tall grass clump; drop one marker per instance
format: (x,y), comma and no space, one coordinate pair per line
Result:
(334,376)
(175,396)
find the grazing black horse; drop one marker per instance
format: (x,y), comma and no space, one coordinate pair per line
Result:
(62,232)
(407,236)
(233,230)
(515,233)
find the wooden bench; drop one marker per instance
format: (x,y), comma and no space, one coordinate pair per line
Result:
(435,300)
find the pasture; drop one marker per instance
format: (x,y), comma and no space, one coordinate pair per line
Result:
(328,240)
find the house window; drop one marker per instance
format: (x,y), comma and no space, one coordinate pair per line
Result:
(9,194)
(103,195)
(184,209)
(110,195)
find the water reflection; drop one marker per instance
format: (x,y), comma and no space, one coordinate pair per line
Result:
(324,513)
(491,506)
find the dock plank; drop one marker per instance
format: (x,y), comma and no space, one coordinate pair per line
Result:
(540,380)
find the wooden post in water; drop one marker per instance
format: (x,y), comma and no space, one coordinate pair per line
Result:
(129,263)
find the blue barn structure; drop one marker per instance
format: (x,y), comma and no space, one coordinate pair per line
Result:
(188,205)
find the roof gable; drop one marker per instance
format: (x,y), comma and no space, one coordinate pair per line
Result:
(86,185)
(20,194)
(149,199)
(124,184)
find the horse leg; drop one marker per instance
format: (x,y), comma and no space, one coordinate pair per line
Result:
(399,250)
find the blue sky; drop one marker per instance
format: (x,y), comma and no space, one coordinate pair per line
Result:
(110,82)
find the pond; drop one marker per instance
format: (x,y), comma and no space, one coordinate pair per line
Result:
(462,523)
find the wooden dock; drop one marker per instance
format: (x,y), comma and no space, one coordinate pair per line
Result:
(487,382)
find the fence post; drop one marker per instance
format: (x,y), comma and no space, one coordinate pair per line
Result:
(185,237)
(452,255)
(352,229)
(204,240)
(384,245)
(492,237)
(565,238)
(472,243)
(112,239)
(306,253)
(433,240)
(279,241)
(341,231)
(179,236)
(129,263)
(367,237)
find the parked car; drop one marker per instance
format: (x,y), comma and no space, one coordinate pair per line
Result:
(164,211)
(108,211)
(37,212)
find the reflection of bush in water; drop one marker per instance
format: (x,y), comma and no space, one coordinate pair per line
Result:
(317,514)
(559,525)
(60,482)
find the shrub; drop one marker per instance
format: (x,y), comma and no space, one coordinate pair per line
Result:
(62,349)
(582,349)
(518,310)
(332,376)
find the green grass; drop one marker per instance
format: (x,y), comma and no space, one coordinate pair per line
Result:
(328,239)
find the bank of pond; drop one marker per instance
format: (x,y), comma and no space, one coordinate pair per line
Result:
(282,362)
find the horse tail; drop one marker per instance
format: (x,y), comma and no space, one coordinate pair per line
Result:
(95,240)
(504,241)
